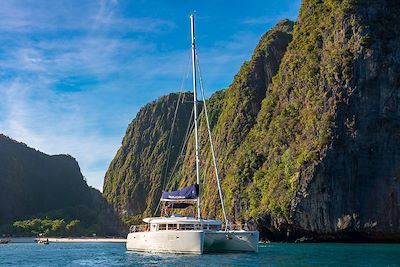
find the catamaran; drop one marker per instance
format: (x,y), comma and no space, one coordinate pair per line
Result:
(173,233)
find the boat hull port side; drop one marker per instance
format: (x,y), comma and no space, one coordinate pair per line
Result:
(231,241)
(191,242)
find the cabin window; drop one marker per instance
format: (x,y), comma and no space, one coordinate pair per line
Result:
(215,227)
(186,227)
(162,226)
(205,226)
(172,226)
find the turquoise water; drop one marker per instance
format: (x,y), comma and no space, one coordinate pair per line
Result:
(276,254)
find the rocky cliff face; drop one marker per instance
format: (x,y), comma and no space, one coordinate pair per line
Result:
(35,184)
(136,177)
(137,174)
(239,107)
(354,190)
(307,135)
(329,128)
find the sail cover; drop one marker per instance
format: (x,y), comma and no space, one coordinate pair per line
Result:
(187,193)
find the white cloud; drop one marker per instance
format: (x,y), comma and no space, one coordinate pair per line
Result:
(34,16)
(87,123)
(75,94)
(55,124)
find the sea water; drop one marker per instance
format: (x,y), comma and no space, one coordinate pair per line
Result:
(273,254)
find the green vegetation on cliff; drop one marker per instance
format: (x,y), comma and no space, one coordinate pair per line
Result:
(35,185)
(307,136)
(296,119)
(135,178)
(240,106)
(47,227)
(316,147)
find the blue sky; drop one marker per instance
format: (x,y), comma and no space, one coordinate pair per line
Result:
(74,73)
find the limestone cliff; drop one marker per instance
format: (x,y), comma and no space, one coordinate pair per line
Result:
(354,190)
(27,176)
(307,135)
(327,135)
(37,185)
(136,176)
(238,112)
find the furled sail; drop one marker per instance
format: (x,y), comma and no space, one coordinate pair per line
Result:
(188,193)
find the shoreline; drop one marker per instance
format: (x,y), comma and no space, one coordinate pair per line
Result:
(66,239)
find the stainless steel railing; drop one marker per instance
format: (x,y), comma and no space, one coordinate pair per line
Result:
(229,227)
(238,227)
(139,228)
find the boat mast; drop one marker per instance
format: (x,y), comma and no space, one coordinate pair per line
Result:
(196,134)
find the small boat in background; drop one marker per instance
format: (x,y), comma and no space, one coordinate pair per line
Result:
(4,241)
(43,241)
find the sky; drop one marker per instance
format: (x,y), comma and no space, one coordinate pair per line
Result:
(74,73)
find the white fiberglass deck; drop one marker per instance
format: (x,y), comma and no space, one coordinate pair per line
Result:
(189,235)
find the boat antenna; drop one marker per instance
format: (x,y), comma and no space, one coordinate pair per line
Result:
(196,134)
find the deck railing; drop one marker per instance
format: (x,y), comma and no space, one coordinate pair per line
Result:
(229,227)
(139,228)
(238,227)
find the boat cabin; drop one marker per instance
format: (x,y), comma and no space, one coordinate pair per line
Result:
(177,200)
(176,223)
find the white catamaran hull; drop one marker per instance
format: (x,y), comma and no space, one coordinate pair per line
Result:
(193,242)
(167,241)
(221,241)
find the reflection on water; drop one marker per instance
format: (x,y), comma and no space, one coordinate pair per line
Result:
(276,254)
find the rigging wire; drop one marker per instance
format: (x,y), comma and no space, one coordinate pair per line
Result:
(169,143)
(210,139)
(187,135)
(189,129)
